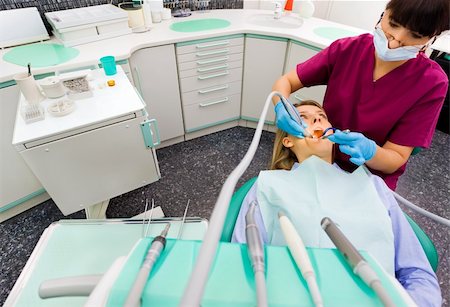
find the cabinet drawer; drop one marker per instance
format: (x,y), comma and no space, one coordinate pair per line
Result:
(211,93)
(208,113)
(210,61)
(206,54)
(210,69)
(209,80)
(202,46)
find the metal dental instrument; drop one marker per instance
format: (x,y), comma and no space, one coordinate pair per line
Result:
(356,261)
(298,252)
(256,255)
(184,219)
(324,136)
(145,216)
(157,246)
(334,129)
(294,115)
(150,218)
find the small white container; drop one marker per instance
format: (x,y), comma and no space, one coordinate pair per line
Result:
(166,14)
(135,15)
(52,87)
(147,14)
(61,107)
(156,16)
(29,88)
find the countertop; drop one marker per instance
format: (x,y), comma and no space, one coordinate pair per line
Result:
(160,34)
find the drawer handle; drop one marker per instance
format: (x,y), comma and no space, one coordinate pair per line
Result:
(213,103)
(223,43)
(213,89)
(213,76)
(212,68)
(200,54)
(202,62)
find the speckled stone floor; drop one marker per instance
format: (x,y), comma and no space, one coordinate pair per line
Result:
(197,169)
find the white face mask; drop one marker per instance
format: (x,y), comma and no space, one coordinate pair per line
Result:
(381,44)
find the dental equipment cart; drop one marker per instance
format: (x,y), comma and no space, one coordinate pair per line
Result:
(104,148)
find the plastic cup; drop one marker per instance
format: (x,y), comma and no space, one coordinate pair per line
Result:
(109,65)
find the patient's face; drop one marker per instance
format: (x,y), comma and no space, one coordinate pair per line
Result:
(316,119)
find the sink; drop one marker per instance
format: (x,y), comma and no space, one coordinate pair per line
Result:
(199,25)
(333,33)
(268,20)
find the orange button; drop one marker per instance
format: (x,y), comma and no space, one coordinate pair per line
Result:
(111,82)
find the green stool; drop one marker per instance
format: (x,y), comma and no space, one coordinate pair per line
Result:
(239,195)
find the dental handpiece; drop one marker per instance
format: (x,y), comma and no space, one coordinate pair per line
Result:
(359,266)
(256,254)
(156,247)
(300,255)
(294,115)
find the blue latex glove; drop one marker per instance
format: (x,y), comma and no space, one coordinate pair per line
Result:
(286,123)
(356,145)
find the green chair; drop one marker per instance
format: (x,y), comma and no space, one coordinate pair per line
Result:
(239,195)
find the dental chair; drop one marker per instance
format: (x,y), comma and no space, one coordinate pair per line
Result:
(239,195)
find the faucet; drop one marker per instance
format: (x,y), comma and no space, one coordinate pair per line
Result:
(278,11)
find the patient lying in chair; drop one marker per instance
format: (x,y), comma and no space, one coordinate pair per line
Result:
(305,184)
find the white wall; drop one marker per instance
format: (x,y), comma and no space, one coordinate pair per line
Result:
(361,14)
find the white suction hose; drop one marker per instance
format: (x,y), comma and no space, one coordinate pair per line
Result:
(422,211)
(194,291)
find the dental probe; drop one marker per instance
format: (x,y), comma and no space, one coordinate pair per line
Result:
(334,129)
(180,231)
(356,261)
(298,252)
(256,254)
(150,218)
(145,216)
(153,253)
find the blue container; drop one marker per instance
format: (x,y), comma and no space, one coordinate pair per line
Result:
(109,65)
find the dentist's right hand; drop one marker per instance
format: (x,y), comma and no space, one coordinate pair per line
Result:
(285,123)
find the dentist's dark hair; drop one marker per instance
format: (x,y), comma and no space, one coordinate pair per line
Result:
(426,17)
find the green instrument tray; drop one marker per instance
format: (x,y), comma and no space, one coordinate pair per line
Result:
(231,281)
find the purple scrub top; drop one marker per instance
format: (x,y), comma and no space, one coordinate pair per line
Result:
(401,107)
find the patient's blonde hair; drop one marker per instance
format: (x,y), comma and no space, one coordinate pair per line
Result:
(283,157)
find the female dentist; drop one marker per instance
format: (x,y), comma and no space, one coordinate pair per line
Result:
(381,86)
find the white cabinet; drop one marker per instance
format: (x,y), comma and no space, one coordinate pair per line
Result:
(102,149)
(263,65)
(154,73)
(298,53)
(210,73)
(19,188)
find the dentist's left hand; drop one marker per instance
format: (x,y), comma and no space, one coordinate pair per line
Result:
(360,148)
